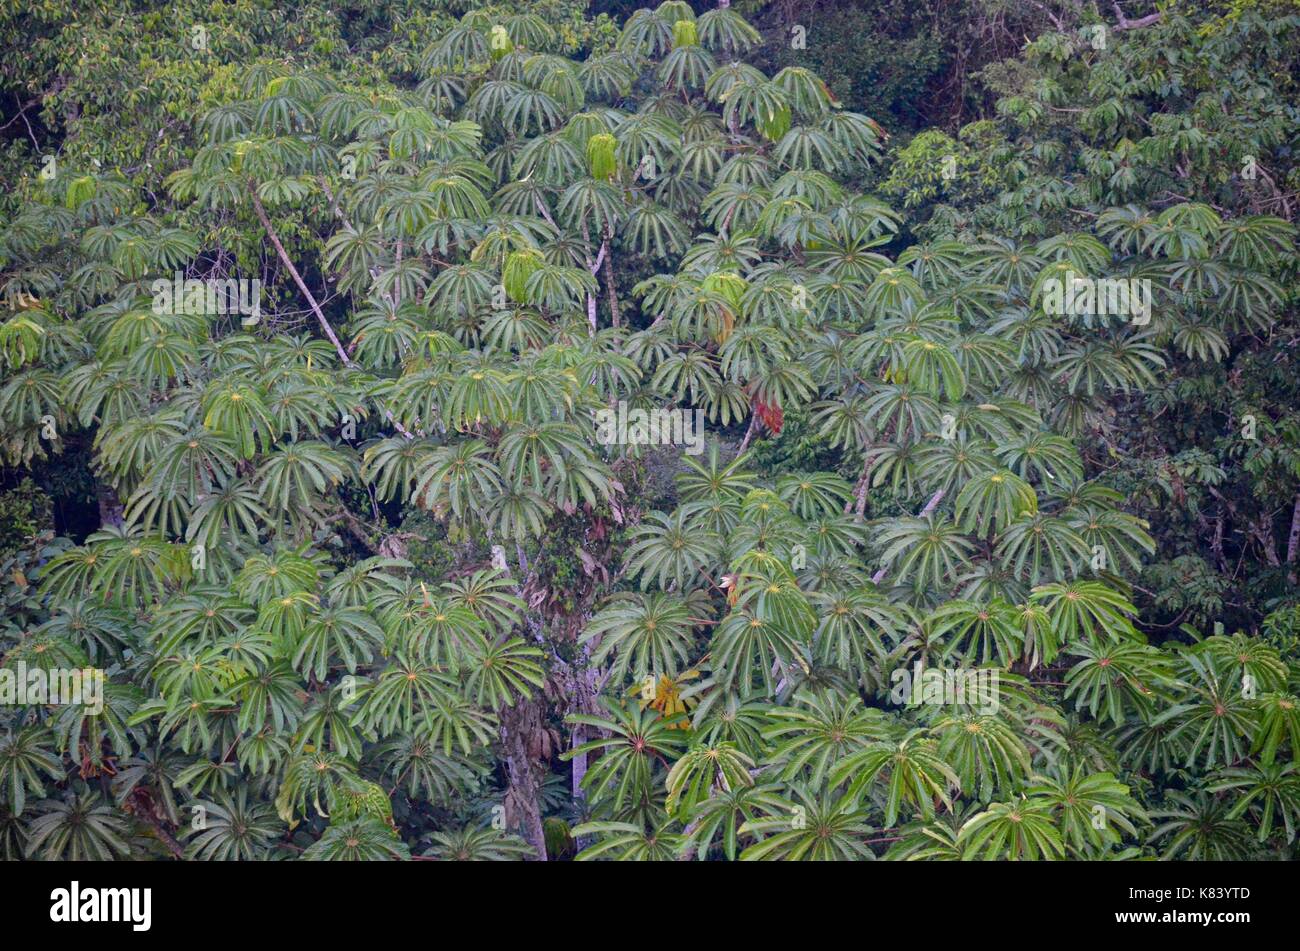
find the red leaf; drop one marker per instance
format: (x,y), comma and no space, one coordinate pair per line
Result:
(770,416)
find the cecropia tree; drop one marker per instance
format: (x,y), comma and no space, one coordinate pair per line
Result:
(617,650)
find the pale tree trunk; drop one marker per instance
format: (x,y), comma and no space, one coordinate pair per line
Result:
(582,700)
(859,503)
(579,764)
(297,279)
(311,300)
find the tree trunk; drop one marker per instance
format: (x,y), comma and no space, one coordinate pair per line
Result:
(610,290)
(518,723)
(110,506)
(859,503)
(311,301)
(1293,540)
(297,278)
(1264,535)
(749,433)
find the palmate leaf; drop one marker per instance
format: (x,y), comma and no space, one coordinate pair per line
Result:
(456,725)
(192,722)
(1250,660)
(237,412)
(199,673)
(934,369)
(283,572)
(476,845)
(720,816)
(1086,610)
(668,550)
(656,231)
(1118,537)
(402,693)
(593,204)
(478,398)
(518,513)
(687,67)
(992,500)
(810,495)
(1215,717)
(295,476)
(1117,678)
(1096,810)
(129,448)
(937,841)
(813,736)
(363,584)
(648,33)
(986,752)
(909,411)
(979,632)
(807,147)
(628,842)
(744,645)
(647,635)
(811,828)
(947,465)
(910,771)
(1268,792)
(349,634)
(694,776)
(1040,637)
(364,839)
(535,454)
(765,587)
(1041,546)
(856,627)
(1279,722)
(233,829)
(714,481)
(20,338)
(433,629)
(924,551)
(1022,829)
(95,732)
(415,764)
(325,722)
(26,756)
(135,568)
(637,742)
(100,632)
(556,288)
(490,596)
(724,28)
(608,76)
(460,479)
(1198,827)
(836,536)
(77,828)
(497,674)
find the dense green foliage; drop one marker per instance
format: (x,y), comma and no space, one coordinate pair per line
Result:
(370,579)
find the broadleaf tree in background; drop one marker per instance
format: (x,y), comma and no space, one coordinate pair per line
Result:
(576,441)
